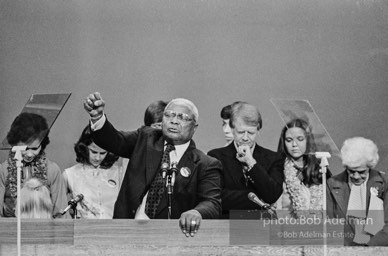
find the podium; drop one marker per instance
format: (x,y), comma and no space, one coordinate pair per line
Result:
(150,237)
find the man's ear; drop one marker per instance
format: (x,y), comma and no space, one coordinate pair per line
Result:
(195,126)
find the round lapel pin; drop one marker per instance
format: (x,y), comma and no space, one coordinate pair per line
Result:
(185,172)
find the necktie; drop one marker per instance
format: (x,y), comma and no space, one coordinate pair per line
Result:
(157,186)
(245,173)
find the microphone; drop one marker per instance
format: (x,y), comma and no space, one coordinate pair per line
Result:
(253,197)
(73,202)
(174,170)
(164,169)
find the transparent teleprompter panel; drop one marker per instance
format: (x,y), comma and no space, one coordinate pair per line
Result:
(47,105)
(292,111)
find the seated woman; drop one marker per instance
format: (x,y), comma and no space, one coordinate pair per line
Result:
(35,201)
(302,187)
(95,177)
(32,130)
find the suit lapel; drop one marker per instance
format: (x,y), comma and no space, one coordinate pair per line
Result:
(153,158)
(341,191)
(233,165)
(374,180)
(186,161)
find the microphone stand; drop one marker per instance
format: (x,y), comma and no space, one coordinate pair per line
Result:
(74,208)
(170,185)
(18,157)
(169,194)
(323,156)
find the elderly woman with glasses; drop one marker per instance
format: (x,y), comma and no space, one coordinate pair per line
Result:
(359,194)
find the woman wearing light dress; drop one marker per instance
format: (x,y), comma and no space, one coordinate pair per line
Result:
(302,187)
(96,176)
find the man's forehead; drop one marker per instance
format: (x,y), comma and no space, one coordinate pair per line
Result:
(181,107)
(241,125)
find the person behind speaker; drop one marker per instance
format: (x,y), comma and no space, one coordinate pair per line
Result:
(31,130)
(35,201)
(153,115)
(225,116)
(247,167)
(353,193)
(302,187)
(196,194)
(95,176)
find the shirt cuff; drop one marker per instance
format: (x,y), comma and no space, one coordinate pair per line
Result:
(98,124)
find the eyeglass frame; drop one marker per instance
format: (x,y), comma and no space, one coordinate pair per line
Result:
(182,117)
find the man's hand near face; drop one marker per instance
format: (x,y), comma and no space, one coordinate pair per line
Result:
(244,155)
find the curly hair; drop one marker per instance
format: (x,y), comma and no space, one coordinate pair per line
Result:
(82,151)
(358,151)
(310,170)
(28,127)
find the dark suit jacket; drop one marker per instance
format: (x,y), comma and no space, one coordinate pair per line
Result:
(338,192)
(267,175)
(200,191)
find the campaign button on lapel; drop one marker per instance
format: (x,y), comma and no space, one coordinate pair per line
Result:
(185,172)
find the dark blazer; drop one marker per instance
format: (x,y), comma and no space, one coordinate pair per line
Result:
(338,192)
(267,176)
(200,191)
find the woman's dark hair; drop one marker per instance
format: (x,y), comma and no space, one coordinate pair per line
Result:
(310,170)
(28,127)
(82,151)
(154,112)
(226,112)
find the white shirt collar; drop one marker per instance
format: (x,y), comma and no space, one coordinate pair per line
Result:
(176,155)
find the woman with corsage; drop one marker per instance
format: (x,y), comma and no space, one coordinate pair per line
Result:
(359,195)
(96,177)
(302,187)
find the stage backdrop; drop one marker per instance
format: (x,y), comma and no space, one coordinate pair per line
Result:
(332,53)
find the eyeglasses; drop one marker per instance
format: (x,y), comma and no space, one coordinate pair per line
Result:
(180,116)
